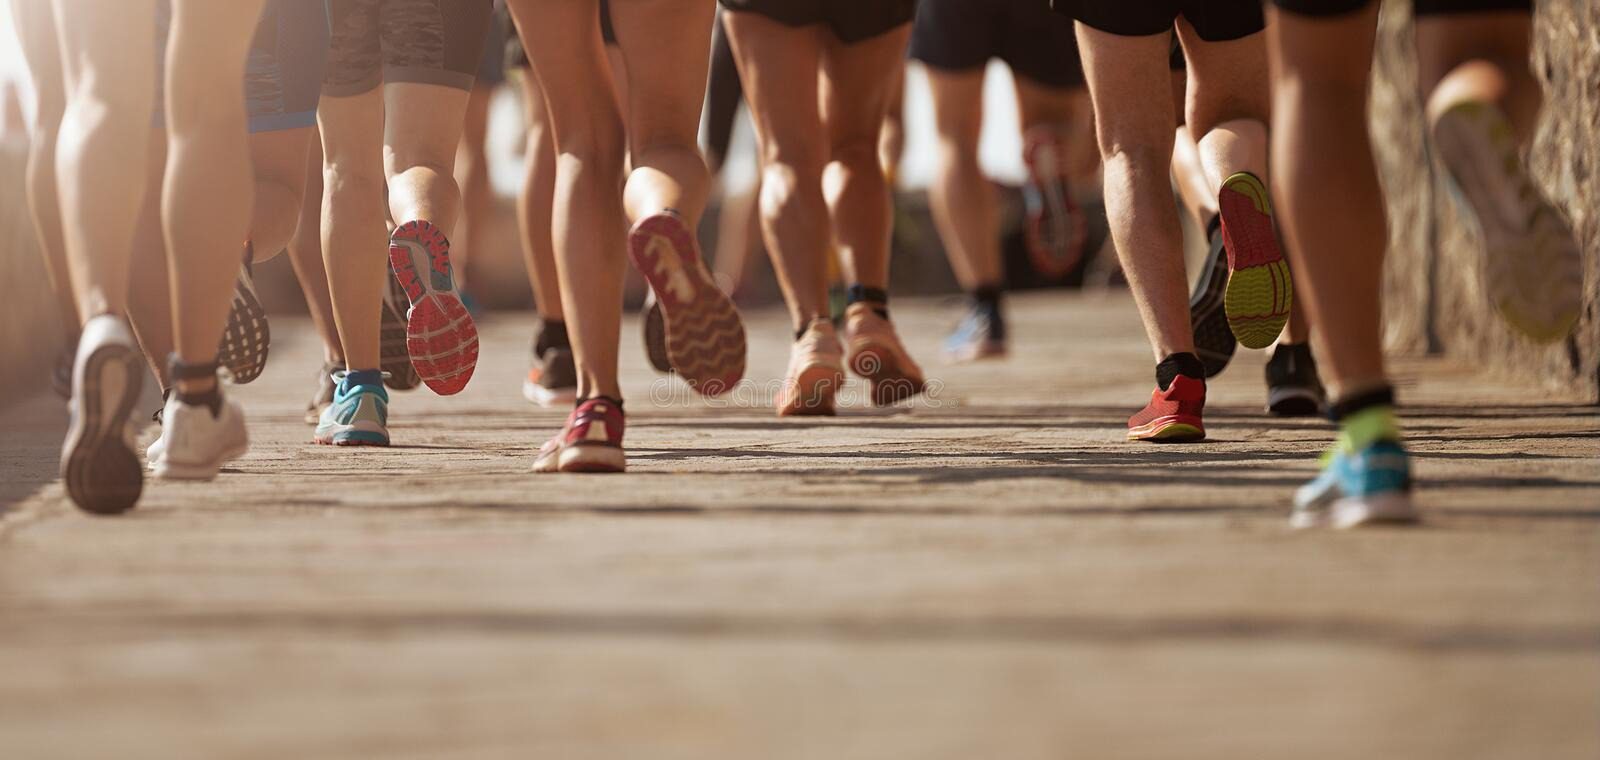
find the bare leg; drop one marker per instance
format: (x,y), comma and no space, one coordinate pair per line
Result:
(305,255)
(892,138)
(209,193)
(564,44)
(353,234)
(855,96)
(279,159)
(421,132)
(36,31)
(663,114)
(1327,187)
(535,202)
(1480,57)
(1227,105)
(961,198)
(472,175)
(1199,198)
(778,65)
(149,283)
(1130,86)
(101,148)
(1069,111)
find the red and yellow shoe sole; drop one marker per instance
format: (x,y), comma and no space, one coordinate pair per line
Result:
(440,334)
(1259,290)
(1172,428)
(705,336)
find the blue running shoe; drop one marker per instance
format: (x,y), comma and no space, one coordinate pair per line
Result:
(980,335)
(359,414)
(1365,479)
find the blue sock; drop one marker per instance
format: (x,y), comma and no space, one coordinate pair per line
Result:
(363,377)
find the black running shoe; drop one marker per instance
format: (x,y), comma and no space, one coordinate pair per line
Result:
(243,350)
(1213,338)
(394,357)
(323,398)
(1293,387)
(553,373)
(61,377)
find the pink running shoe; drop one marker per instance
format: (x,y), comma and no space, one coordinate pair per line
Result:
(816,372)
(591,441)
(440,335)
(875,353)
(705,337)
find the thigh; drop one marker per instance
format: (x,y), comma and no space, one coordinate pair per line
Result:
(422,125)
(1130,85)
(1227,79)
(98,50)
(1446,40)
(436,42)
(666,50)
(355,51)
(35,25)
(778,65)
(957,105)
(1039,105)
(562,40)
(352,132)
(857,81)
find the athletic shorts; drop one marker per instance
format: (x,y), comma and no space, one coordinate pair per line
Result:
(492,64)
(851,21)
(1420,7)
(962,35)
(516,57)
(1213,20)
(283,76)
(419,41)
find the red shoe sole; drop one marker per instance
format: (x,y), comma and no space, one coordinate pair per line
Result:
(1172,428)
(705,336)
(1047,262)
(440,334)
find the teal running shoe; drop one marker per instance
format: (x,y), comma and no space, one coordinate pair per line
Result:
(359,414)
(1365,479)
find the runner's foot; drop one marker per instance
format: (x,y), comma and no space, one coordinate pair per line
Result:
(98,464)
(198,439)
(1365,479)
(876,353)
(243,350)
(980,335)
(1213,338)
(591,441)
(553,375)
(704,335)
(359,414)
(1173,414)
(1532,266)
(1259,288)
(1055,228)
(440,335)
(816,372)
(323,398)
(1293,387)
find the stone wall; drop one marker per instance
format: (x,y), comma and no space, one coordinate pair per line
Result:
(1434,300)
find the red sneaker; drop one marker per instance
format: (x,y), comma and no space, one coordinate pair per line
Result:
(1055,228)
(440,335)
(1173,414)
(704,335)
(590,442)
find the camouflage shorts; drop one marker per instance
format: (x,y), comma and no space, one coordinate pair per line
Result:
(422,41)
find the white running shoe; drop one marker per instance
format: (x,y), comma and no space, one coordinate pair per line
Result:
(98,463)
(194,443)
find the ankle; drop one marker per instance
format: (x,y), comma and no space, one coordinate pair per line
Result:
(1185,364)
(876,299)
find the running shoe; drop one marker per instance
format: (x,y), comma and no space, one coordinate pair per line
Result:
(1055,229)
(1259,288)
(61,373)
(243,350)
(591,441)
(875,353)
(440,336)
(1173,414)
(1293,387)
(195,442)
(1532,266)
(359,414)
(705,337)
(655,334)
(1365,479)
(1213,338)
(394,358)
(816,372)
(98,464)
(323,398)
(980,335)
(553,375)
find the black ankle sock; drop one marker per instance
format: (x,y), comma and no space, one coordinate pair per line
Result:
(583,401)
(364,377)
(1364,400)
(1187,365)
(877,297)
(177,371)
(987,297)
(1213,226)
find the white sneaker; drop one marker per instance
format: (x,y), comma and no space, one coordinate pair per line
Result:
(194,444)
(98,463)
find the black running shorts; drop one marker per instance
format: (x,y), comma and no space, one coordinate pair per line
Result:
(962,35)
(516,57)
(420,41)
(851,20)
(1213,20)
(283,74)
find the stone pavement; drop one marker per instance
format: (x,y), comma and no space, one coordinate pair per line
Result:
(992,573)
